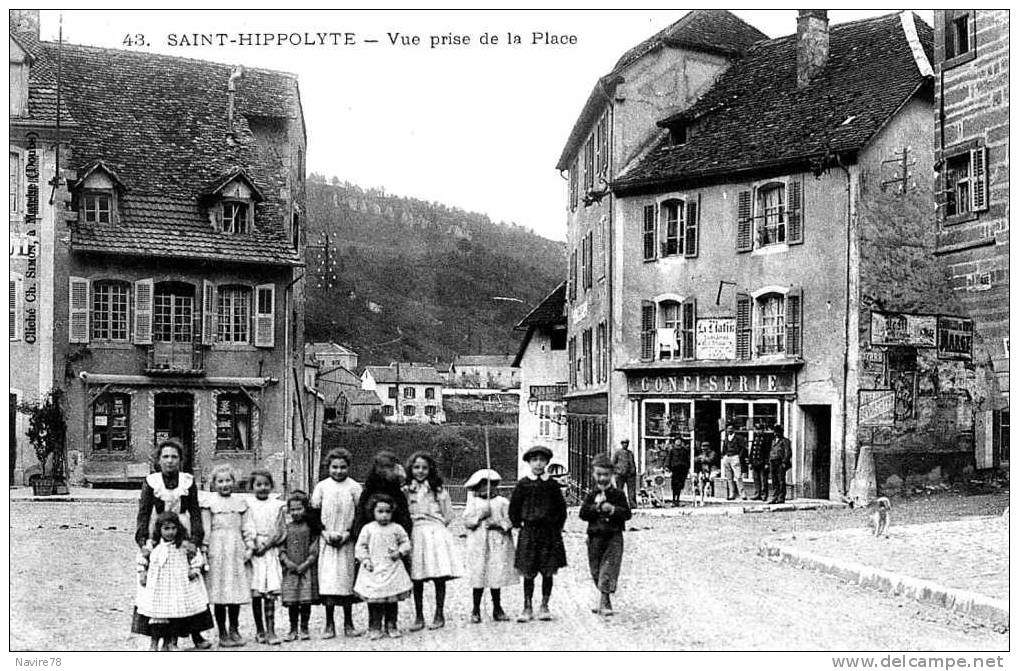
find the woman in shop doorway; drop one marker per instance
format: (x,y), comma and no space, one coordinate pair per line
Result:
(169,490)
(678,462)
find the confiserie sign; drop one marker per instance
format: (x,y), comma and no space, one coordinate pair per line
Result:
(710,382)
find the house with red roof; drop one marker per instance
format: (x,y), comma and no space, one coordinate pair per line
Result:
(178,284)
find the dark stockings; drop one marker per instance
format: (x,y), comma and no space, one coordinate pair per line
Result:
(330,618)
(256,612)
(479,594)
(348,616)
(546,590)
(375,615)
(391,612)
(301,613)
(440,599)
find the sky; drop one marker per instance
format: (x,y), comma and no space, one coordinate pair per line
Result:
(476,126)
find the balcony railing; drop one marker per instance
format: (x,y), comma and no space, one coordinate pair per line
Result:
(175,358)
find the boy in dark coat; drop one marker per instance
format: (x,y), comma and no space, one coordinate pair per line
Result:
(605,509)
(538,509)
(780,460)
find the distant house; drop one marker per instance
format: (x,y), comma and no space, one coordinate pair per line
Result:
(333,382)
(410,392)
(330,355)
(486,371)
(358,405)
(543,369)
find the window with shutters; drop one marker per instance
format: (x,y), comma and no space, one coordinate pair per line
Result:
(601,134)
(15,325)
(586,356)
(387,411)
(674,333)
(393,392)
(573,275)
(409,410)
(589,164)
(111,423)
(110,314)
(589,261)
(572,357)
(233,423)
(583,262)
(233,312)
(960,36)
(602,353)
(173,311)
(265,315)
(964,182)
(430,410)
(678,221)
(409,392)
(672,223)
(429,393)
(771,214)
(770,336)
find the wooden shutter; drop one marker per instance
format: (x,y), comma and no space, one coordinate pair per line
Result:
(687,330)
(647,330)
(744,319)
(744,222)
(143,298)
(265,315)
(78,312)
(209,326)
(16,308)
(649,232)
(978,170)
(794,322)
(794,220)
(573,275)
(693,213)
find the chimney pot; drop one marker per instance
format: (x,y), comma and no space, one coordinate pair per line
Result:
(811,44)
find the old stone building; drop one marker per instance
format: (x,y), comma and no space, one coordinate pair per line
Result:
(38,201)
(666,73)
(410,393)
(178,284)
(762,274)
(543,369)
(971,54)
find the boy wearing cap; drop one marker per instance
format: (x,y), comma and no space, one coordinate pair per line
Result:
(538,509)
(605,509)
(489,542)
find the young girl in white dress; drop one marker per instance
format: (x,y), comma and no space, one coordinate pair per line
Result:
(336,499)
(490,550)
(434,555)
(382,580)
(269,515)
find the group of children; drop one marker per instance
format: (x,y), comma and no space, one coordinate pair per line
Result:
(378,543)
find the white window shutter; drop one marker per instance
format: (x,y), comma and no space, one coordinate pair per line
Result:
(143,312)
(265,315)
(78,313)
(209,325)
(16,308)
(978,168)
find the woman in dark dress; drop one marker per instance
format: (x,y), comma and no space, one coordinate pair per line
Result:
(386,477)
(167,489)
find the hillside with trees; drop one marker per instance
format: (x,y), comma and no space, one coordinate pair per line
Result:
(404,279)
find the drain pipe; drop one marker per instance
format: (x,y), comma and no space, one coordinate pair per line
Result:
(850,219)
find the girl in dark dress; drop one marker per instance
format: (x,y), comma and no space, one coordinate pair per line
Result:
(538,509)
(298,555)
(169,490)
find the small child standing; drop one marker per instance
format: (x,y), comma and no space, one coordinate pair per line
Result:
(538,509)
(299,555)
(336,498)
(489,542)
(605,509)
(172,601)
(230,544)
(434,554)
(382,581)
(269,516)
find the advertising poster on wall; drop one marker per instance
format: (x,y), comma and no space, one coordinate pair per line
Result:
(716,338)
(894,328)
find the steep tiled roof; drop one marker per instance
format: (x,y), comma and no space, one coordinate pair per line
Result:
(712,30)
(755,117)
(361,397)
(161,123)
(403,373)
(483,360)
(326,348)
(549,312)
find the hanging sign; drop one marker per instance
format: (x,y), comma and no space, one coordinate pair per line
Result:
(716,339)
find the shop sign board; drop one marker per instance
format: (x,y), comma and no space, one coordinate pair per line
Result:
(897,328)
(733,383)
(877,407)
(716,339)
(955,338)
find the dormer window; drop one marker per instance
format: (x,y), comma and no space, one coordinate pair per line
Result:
(235,217)
(97,207)
(677,134)
(97,195)
(231,203)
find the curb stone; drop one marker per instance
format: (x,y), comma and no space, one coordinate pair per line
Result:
(959,600)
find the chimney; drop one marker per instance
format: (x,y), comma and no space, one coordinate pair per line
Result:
(25,21)
(231,88)
(811,44)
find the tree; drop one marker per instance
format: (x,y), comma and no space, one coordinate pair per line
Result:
(47,430)
(451,447)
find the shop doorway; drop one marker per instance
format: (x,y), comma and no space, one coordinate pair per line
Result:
(708,417)
(817,450)
(174,418)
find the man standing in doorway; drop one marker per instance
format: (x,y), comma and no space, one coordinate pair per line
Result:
(734,450)
(625,469)
(678,463)
(780,459)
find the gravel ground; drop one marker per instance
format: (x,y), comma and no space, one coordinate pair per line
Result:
(693,583)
